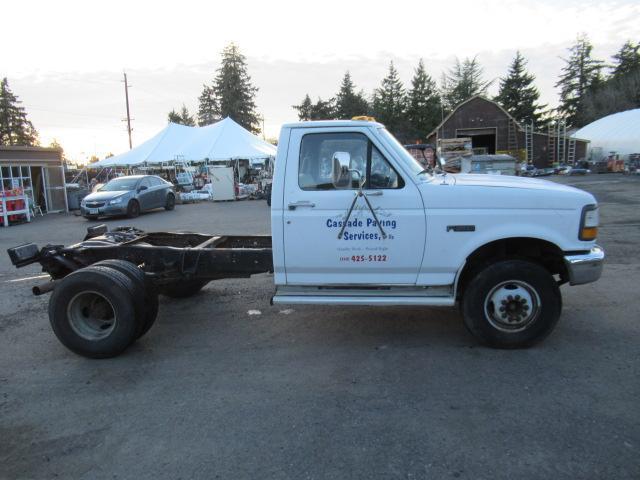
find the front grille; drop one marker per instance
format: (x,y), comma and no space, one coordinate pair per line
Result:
(94,204)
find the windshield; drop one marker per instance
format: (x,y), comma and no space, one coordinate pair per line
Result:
(120,184)
(409,160)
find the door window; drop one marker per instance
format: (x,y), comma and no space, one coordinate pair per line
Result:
(316,155)
(156,182)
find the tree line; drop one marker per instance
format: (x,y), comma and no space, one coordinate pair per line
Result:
(587,92)
(589,89)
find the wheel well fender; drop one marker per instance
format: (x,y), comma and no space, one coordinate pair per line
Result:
(542,252)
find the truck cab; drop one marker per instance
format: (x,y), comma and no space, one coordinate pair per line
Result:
(356,220)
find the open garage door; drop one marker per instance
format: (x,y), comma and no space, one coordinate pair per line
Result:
(481,138)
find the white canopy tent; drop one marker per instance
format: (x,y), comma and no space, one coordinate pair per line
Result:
(619,132)
(224,140)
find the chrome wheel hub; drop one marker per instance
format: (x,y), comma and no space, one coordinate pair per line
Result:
(512,306)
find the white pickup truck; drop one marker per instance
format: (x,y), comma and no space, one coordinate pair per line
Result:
(355,220)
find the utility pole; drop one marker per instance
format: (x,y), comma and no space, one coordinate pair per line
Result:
(126,96)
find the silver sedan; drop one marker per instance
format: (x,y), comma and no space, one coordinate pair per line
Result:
(129,196)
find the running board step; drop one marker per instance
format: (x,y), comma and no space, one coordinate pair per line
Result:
(371,300)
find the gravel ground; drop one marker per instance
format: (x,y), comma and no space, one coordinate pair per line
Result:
(225,386)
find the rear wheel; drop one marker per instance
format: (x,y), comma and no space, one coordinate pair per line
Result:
(133,209)
(146,293)
(511,304)
(183,289)
(92,312)
(171,202)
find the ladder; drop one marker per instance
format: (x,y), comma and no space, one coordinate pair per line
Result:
(528,143)
(551,143)
(512,137)
(571,151)
(562,137)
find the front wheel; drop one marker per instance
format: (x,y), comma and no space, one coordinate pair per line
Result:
(511,304)
(133,209)
(170,204)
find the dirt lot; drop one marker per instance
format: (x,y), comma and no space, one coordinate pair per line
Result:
(217,391)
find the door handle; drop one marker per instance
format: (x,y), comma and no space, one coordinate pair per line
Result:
(375,193)
(304,203)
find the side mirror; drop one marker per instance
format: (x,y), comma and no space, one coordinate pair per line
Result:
(142,187)
(340,164)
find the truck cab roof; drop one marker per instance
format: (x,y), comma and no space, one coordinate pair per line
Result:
(332,123)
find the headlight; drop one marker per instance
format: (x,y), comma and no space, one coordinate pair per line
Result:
(589,223)
(115,200)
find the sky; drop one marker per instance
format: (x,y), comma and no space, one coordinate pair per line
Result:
(67,58)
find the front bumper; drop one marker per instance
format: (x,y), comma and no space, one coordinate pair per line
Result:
(106,210)
(585,267)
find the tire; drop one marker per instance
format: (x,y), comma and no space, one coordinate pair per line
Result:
(183,289)
(171,202)
(92,312)
(133,209)
(511,304)
(146,292)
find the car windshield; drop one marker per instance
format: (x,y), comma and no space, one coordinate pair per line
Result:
(120,184)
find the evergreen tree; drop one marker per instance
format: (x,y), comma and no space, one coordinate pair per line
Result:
(423,104)
(321,110)
(207,107)
(389,103)
(174,117)
(232,93)
(15,127)
(305,109)
(462,82)
(182,118)
(518,95)
(621,91)
(627,60)
(582,76)
(349,103)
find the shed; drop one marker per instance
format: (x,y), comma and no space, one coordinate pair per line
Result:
(494,131)
(38,171)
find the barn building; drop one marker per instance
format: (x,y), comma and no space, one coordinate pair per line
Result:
(493,131)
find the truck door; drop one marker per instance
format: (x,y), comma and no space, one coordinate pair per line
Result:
(315,210)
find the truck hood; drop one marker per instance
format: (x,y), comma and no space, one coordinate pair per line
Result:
(504,191)
(508,181)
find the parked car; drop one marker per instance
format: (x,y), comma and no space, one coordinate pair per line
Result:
(129,196)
